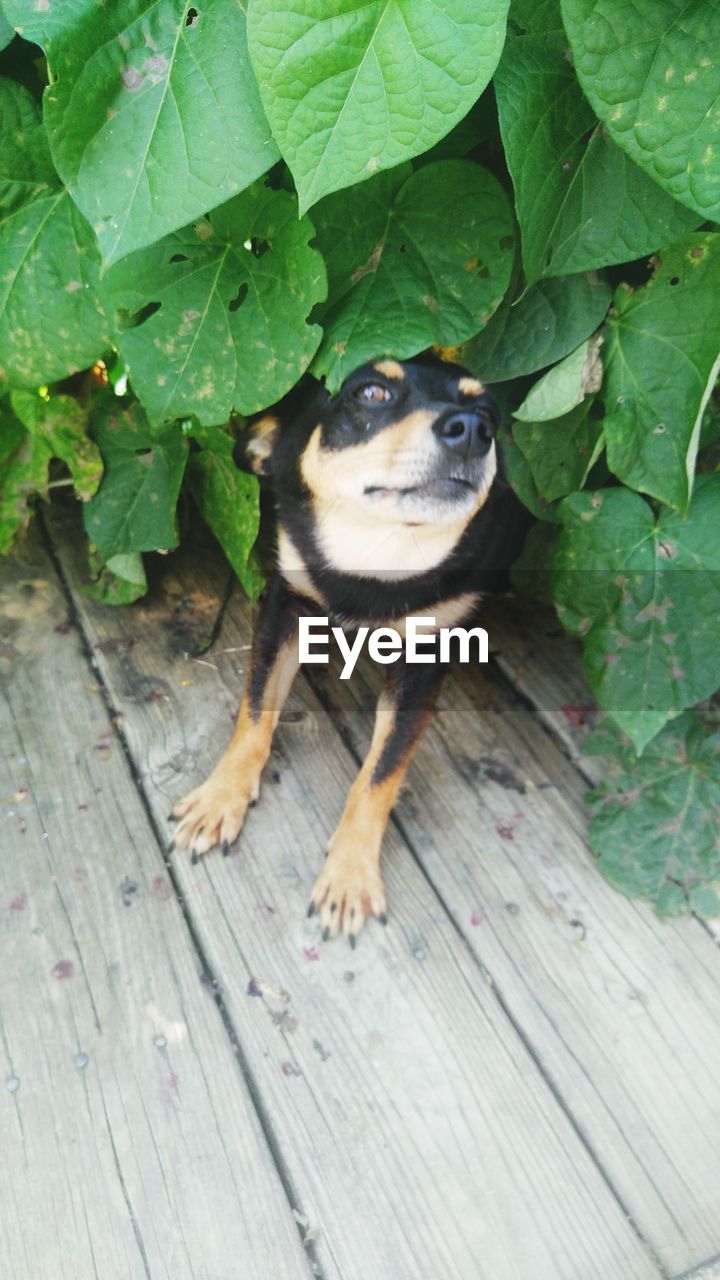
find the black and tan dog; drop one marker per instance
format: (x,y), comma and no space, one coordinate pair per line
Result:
(388,505)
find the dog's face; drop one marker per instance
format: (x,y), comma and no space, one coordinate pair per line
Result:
(401,443)
(406,443)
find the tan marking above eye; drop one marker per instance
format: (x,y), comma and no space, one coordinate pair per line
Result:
(261,441)
(470,387)
(391,369)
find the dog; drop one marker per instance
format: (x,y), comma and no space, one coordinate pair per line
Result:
(389,503)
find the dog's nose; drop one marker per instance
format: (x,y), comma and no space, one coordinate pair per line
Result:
(464,429)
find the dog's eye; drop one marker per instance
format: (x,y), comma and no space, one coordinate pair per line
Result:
(373,393)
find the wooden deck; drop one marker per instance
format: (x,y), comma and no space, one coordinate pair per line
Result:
(517,1079)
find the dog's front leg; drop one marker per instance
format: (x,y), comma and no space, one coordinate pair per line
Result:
(214,812)
(349,887)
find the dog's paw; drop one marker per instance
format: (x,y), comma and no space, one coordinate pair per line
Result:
(347,891)
(212,814)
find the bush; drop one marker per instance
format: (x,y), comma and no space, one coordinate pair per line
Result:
(196,208)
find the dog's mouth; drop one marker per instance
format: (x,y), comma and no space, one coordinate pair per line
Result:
(446,488)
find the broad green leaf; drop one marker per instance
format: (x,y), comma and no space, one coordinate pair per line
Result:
(121,581)
(153,114)
(397,281)
(649,69)
(565,385)
(645,595)
(350,90)
(662,359)
(656,824)
(545,323)
(60,425)
(51,321)
(560,453)
(580,202)
(231,297)
(134,508)
(536,15)
(228,501)
(26,170)
(38,22)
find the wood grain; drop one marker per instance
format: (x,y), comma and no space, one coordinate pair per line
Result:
(420,1131)
(130,1145)
(621,1009)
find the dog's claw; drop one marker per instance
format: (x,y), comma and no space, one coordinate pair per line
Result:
(171,818)
(225,846)
(352,939)
(311,910)
(195,858)
(383,918)
(326,933)
(170,846)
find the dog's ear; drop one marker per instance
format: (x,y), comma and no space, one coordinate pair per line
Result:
(253,450)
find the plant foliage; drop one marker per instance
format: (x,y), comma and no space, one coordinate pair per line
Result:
(198,203)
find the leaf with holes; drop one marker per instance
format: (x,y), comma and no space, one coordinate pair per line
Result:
(350,90)
(228,500)
(580,202)
(645,595)
(397,282)
(59,424)
(51,320)
(544,324)
(650,72)
(662,359)
(134,508)
(656,824)
(153,114)
(218,312)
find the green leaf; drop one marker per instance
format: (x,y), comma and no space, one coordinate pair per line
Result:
(134,509)
(23,471)
(228,500)
(565,385)
(26,170)
(580,202)
(40,431)
(662,358)
(397,281)
(649,70)
(220,309)
(545,323)
(121,581)
(153,115)
(536,15)
(645,595)
(51,320)
(560,453)
(656,822)
(60,424)
(350,90)
(6,32)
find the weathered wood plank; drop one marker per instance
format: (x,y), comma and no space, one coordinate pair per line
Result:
(130,1146)
(421,1134)
(622,1009)
(543,662)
